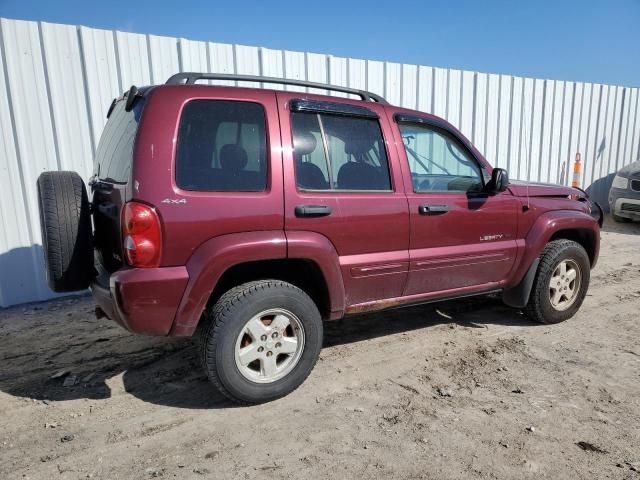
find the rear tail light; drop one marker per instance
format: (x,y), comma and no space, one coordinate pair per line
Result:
(141,234)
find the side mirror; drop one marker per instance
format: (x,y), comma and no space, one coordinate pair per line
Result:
(499,181)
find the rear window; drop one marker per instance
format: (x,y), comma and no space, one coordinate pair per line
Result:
(222,147)
(115,149)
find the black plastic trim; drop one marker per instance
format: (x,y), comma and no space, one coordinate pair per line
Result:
(300,105)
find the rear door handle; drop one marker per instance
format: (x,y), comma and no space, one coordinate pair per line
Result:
(432,209)
(312,210)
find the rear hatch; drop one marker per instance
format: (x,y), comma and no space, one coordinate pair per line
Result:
(111,183)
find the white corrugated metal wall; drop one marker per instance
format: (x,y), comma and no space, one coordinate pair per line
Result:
(57,82)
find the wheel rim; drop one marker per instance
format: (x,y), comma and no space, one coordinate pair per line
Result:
(269,345)
(565,284)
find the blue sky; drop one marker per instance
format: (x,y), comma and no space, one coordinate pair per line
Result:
(589,40)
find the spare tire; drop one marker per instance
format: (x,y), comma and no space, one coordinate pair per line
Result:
(65,221)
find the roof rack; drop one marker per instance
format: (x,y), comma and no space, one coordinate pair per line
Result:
(189,78)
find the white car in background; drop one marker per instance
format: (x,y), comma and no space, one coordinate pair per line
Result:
(624,196)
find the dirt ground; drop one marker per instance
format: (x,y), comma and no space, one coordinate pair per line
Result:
(463,389)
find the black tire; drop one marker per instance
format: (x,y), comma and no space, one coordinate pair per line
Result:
(65,221)
(617,218)
(539,307)
(227,318)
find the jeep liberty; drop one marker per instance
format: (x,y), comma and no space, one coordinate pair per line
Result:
(247,217)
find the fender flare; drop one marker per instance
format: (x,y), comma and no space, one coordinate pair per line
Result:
(319,249)
(214,257)
(211,259)
(545,226)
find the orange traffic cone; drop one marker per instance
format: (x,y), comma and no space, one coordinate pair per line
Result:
(577,171)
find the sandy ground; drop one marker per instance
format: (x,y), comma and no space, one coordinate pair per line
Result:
(464,389)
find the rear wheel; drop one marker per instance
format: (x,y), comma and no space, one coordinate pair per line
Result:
(561,282)
(65,221)
(261,340)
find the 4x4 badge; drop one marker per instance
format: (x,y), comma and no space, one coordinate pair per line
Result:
(174,201)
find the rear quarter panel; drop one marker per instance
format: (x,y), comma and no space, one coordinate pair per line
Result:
(191,218)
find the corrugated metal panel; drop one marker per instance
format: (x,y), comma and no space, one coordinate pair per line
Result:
(163,54)
(58,81)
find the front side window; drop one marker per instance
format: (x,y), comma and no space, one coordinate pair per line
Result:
(336,152)
(222,147)
(437,162)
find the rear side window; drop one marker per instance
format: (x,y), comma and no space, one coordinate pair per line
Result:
(222,147)
(337,152)
(115,149)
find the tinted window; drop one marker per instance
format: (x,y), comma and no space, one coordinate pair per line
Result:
(334,152)
(437,162)
(115,149)
(222,147)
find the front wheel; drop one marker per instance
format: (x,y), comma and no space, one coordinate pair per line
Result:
(561,282)
(261,340)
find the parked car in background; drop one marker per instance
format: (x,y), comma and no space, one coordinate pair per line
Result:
(246,217)
(624,196)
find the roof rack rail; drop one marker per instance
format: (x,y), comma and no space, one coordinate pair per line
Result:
(189,78)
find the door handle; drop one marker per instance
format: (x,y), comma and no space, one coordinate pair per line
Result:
(431,209)
(312,210)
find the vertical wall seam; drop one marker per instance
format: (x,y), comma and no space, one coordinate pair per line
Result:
(460,102)
(635,129)
(47,85)
(85,85)
(613,126)
(561,129)
(541,144)
(179,52)
(626,129)
(150,59)
(447,92)
(118,66)
(486,135)
(624,94)
(530,136)
(473,109)
(553,121)
(418,82)
(585,155)
(596,140)
(433,90)
(486,117)
(521,126)
(306,70)
(234,55)
(573,108)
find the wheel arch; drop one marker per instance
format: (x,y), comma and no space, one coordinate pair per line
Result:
(562,224)
(303,273)
(584,236)
(223,262)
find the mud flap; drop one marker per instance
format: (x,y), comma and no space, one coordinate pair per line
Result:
(518,296)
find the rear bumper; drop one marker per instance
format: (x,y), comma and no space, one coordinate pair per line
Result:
(142,300)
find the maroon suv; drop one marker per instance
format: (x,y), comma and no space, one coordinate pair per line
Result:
(249,216)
